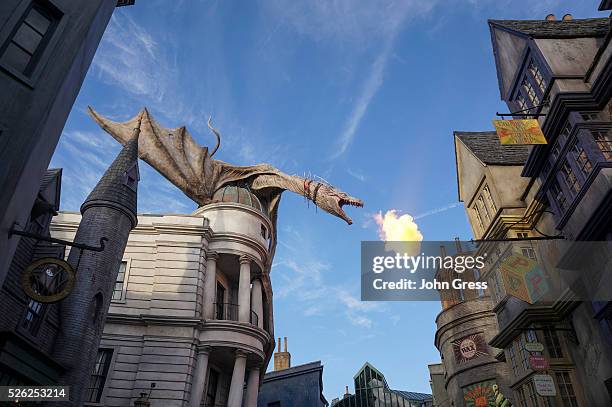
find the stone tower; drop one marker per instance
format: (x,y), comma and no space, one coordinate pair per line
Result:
(109,211)
(282,360)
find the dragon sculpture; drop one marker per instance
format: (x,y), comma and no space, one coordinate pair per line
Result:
(189,166)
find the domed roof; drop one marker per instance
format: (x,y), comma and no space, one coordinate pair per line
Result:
(236,194)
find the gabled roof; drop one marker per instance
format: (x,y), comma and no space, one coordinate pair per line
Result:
(588,27)
(486,147)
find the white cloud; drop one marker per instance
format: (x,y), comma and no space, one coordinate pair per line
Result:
(345,20)
(437,210)
(356,174)
(368,91)
(305,283)
(392,17)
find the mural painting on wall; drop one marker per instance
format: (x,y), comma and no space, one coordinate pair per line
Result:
(469,347)
(480,394)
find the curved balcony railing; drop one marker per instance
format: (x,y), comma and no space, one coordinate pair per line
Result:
(227,311)
(254,318)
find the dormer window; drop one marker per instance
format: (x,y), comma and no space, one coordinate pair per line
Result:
(489,198)
(530,91)
(482,206)
(536,74)
(522,102)
(132,177)
(478,217)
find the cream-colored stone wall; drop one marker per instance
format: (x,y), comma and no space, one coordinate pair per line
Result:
(156,328)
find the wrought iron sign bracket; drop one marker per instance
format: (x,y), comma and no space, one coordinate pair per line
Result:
(520,113)
(519,239)
(81,246)
(528,238)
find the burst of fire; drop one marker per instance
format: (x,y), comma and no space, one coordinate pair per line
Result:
(396,228)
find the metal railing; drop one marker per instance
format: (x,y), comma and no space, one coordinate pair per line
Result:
(228,311)
(254,318)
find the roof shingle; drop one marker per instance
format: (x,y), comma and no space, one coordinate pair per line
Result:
(588,27)
(486,147)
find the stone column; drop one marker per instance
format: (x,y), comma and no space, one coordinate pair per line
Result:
(252,388)
(210,285)
(257,301)
(237,383)
(244,289)
(199,377)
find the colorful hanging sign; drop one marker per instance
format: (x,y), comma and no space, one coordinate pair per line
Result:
(469,347)
(521,132)
(523,278)
(480,394)
(544,385)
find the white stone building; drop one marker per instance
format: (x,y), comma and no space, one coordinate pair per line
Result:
(192,307)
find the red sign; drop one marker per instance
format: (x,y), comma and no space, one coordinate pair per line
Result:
(538,362)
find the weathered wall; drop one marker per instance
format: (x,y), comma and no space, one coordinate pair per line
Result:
(33,111)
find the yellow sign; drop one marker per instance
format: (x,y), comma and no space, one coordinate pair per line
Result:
(519,132)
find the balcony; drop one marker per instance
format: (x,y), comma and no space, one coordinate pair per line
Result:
(227,311)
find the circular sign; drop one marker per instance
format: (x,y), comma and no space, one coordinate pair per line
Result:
(48,280)
(534,347)
(467,347)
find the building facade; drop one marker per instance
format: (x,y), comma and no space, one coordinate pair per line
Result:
(192,307)
(288,385)
(437,381)
(465,326)
(46,47)
(560,72)
(372,390)
(55,343)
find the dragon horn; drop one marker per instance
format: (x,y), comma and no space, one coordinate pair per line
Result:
(216,133)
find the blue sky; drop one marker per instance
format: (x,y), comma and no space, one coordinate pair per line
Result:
(364,94)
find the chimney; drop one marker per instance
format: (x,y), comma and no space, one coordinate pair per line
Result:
(458,245)
(282,360)
(568,17)
(442,250)
(550,17)
(346,390)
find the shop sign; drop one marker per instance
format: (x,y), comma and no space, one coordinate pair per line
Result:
(469,347)
(519,132)
(544,385)
(534,347)
(479,394)
(538,362)
(523,278)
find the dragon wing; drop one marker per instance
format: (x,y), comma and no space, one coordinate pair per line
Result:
(172,152)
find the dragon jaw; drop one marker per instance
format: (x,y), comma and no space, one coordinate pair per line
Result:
(332,201)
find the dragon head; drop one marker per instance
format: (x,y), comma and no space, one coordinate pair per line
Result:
(331,200)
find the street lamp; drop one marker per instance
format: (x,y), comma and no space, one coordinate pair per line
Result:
(143,400)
